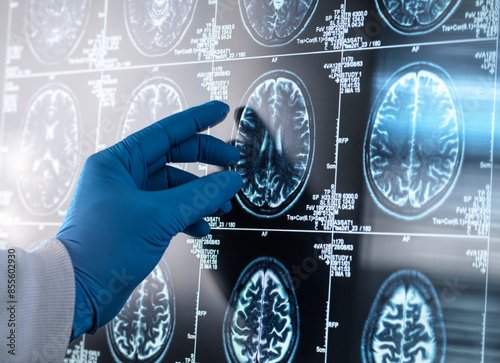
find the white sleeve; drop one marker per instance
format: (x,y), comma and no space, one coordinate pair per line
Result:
(37,298)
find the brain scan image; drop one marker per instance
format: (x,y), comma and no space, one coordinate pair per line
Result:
(143,329)
(54,28)
(156,26)
(405,322)
(153,100)
(49,159)
(276,22)
(411,17)
(275,136)
(262,318)
(414,142)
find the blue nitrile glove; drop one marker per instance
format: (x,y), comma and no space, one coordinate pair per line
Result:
(128,205)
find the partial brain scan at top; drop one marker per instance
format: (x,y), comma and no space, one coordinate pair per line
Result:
(415,16)
(54,27)
(143,329)
(262,318)
(151,101)
(276,22)
(405,322)
(275,136)
(414,141)
(48,151)
(156,26)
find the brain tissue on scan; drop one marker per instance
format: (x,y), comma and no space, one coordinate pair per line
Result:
(414,142)
(262,318)
(276,22)
(405,323)
(153,100)
(54,28)
(275,137)
(48,151)
(143,329)
(156,26)
(416,16)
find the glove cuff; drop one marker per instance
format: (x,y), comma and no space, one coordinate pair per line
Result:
(84,317)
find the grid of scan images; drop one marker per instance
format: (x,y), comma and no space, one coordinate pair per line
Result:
(367,226)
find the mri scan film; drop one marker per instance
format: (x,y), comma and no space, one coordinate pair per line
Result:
(143,329)
(262,318)
(275,137)
(416,16)
(405,322)
(48,151)
(276,22)
(414,142)
(156,26)
(54,28)
(367,139)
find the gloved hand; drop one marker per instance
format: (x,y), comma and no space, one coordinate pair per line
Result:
(128,205)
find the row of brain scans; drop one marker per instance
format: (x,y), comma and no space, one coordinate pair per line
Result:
(413,146)
(49,155)
(276,156)
(262,319)
(54,28)
(155,27)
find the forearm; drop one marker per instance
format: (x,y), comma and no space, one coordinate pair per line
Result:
(37,296)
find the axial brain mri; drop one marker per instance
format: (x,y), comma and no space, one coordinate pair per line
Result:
(276,22)
(414,142)
(143,329)
(275,137)
(49,149)
(54,28)
(405,323)
(151,101)
(156,26)
(416,16)
(262,318)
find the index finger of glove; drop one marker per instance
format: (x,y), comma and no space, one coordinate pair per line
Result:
(156,140)
(202,197)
